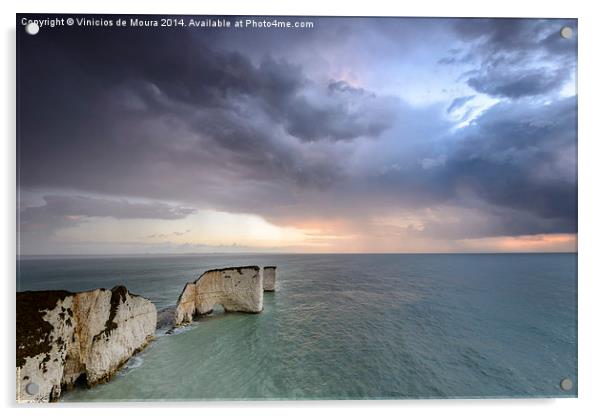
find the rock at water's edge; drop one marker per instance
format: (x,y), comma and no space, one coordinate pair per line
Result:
(269,278)
(64,337)
(166,318)
(237,289)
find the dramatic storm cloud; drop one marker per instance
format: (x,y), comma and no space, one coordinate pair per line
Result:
(355,135)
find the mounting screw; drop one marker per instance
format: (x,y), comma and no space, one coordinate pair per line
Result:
(566,32)
(32,28)
(32,389)
(566,384)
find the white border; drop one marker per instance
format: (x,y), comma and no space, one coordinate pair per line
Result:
(590,206)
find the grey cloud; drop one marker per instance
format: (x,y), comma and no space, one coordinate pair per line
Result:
(512,171)
(172,234)
(516,84)
(201,115)
(515,156)
(500,33)
(515,57)
(342,113)
(165,116)
(459,102)
(515,165)
(489,221)
(60,211)
(99,207)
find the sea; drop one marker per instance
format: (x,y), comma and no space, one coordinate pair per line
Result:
(346,326)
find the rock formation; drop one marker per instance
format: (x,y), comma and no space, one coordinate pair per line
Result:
(237,289)
(269,278)
(166,319)
(64,338)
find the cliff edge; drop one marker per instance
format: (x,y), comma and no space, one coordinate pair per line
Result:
(65,337)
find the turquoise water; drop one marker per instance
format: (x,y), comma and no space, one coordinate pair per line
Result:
(348,326)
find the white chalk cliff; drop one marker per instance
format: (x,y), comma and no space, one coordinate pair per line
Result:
(64,337)
(269,278)
(237,289)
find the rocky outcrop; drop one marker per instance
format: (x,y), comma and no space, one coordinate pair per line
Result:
(269,278)
(237,289)
(166,319)
(64,338)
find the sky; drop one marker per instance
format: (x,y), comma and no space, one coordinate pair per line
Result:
(358,135)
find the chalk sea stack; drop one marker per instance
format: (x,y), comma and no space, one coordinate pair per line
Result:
(237,289)
(64,338)
(269,278)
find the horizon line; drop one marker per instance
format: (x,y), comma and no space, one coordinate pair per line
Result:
(287,253)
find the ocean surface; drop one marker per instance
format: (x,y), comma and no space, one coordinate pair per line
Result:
(368,326)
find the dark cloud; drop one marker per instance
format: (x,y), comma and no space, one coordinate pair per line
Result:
(516,84)
(515,57)
(489,221)
(168,115)
(511,171)
(343,113)
(500,34)
(524,158)
(112,110)
(521,161)
(60,211)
